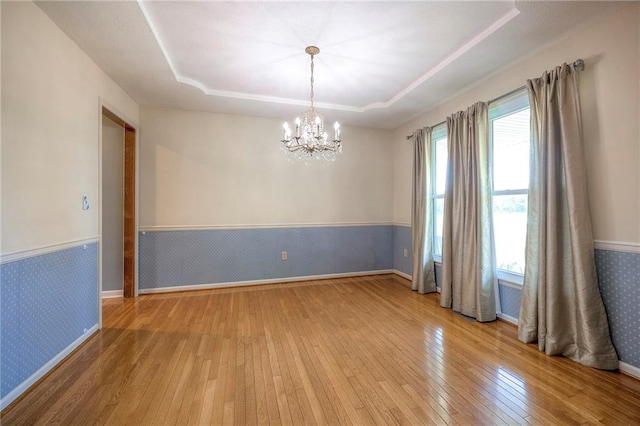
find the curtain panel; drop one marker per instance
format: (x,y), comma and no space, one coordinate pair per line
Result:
(561,306)
(468,264)
(423,273)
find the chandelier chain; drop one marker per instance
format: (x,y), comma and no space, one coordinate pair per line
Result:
(312,108)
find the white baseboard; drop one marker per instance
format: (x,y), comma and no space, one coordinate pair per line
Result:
(31,380)
(630,369)
(508,318)
(402,274)
(111,294)
(407,276)
(261,282)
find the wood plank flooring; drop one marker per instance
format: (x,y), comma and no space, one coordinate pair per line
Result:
(359,351)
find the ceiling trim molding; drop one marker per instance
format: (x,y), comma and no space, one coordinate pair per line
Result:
(448,60)
(263,98)
(477,39)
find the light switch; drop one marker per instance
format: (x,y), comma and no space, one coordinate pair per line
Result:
(85,202)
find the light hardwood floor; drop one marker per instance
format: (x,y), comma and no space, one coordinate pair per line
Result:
(363,350)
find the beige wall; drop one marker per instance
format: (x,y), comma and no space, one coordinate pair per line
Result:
(610,98)
(50,116)
(206,169)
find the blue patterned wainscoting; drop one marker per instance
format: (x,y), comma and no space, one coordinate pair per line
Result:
(402,240)
(47,302)
(192,257)
(510,300)
(619,277)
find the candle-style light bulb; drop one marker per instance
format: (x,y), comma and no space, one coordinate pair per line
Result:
(297,127)
(318,121)
(285,127)
(336,131)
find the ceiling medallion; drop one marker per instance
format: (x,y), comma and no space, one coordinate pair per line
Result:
(309,139)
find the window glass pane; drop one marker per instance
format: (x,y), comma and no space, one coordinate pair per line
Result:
(510,230)
(511,151)
(441,165)
(438,221)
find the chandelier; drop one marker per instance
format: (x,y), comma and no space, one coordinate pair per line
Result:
(309,138)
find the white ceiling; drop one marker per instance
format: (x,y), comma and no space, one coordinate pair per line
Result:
(381,63)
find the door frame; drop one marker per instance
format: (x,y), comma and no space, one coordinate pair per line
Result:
(131,201)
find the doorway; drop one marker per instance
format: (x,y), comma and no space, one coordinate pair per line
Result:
(118,206)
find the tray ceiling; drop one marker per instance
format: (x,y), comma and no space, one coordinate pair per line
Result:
(381,63)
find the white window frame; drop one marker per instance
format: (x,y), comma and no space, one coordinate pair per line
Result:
(439,132)
(510,104)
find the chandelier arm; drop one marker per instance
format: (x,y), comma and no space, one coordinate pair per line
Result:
(294,148)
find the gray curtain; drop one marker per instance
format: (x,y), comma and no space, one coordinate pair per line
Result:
(561,306)
(423,276)
(468,264)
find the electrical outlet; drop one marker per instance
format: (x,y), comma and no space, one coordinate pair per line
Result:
(405,253)
(285,256)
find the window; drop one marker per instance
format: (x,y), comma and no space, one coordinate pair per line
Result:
(509,120)
(510,140)
(440,155)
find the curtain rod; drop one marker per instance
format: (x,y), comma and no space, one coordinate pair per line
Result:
(577,64)
(433,127)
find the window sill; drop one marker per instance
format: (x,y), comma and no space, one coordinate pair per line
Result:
(508,279)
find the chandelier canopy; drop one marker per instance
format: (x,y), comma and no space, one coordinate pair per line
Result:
(310,139)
